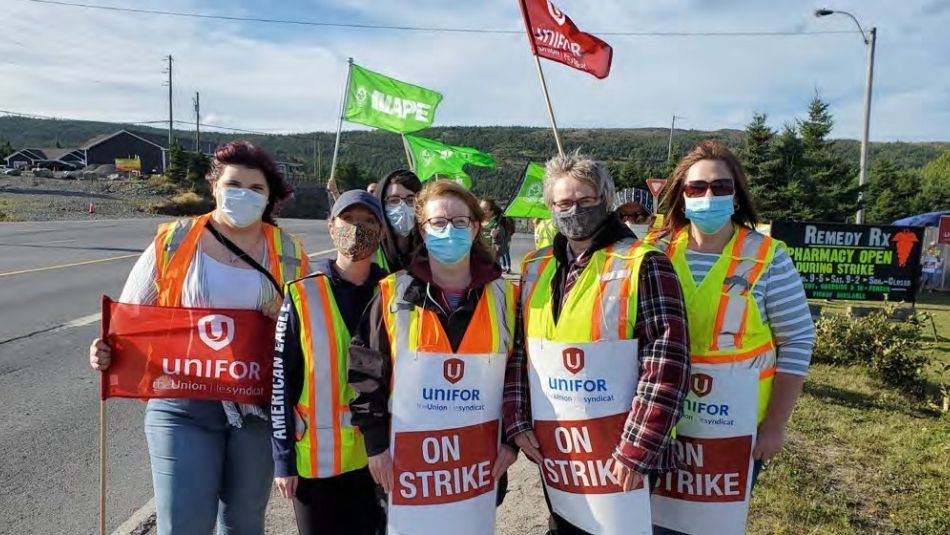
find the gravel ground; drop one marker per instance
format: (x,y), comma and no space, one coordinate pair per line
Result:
(27,198)
(522,513)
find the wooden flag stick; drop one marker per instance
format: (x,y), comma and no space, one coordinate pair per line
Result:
(102,466)
(104,318)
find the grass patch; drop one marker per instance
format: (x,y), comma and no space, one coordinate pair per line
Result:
(183,204)
(861,458)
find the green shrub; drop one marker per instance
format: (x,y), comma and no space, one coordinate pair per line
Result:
(892,351)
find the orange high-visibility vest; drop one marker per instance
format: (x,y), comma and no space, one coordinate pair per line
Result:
(176,243)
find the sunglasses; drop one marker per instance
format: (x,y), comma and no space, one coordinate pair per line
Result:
(720,187)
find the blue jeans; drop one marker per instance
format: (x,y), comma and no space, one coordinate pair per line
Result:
(206,471)
(756,468)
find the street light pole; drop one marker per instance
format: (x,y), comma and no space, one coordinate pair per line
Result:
(870,40)
(863,176)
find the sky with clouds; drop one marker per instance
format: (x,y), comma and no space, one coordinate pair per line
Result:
(100,65)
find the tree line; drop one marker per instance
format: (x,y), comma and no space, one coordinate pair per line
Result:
(796,172)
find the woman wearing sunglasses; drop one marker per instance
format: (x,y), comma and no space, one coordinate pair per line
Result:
(751,337)
(428,365)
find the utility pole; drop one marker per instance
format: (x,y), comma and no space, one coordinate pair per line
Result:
(669,146)
(197,102)
(171,118)
(316,150)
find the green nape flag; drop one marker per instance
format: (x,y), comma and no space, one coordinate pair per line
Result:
(433,158)
(388,104)
(529,202)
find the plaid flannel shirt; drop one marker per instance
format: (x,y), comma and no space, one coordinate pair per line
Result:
(645,444)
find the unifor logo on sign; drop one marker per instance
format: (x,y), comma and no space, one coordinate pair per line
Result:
(701,384)
(216,331)
(573,359)
(453,370)
(556,14)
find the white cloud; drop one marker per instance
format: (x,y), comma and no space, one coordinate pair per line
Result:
(108,66)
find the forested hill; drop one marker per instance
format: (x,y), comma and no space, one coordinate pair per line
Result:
(632,154)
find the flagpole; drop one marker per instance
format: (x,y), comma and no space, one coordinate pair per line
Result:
(104,318)
(547,101)
(339,127)
(544,85)
(102,466)
(405,145)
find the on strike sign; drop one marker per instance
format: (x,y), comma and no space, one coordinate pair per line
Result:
(444,466)
(570,461)
(165,352)
(713,470)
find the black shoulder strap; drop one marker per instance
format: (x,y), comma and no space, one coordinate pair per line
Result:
(244,256)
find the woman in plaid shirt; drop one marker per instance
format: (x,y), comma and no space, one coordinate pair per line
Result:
(579,193)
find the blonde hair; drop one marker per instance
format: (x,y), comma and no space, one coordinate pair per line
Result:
(579,167)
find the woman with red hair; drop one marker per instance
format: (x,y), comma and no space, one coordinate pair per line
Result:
(211,460)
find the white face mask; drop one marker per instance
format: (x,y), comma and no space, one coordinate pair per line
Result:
(402,218)
(241,207)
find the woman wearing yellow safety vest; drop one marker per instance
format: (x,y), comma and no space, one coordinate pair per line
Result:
(751,337)
(319,457)
(397,193)
(600,366)
(210,460)
(428,367)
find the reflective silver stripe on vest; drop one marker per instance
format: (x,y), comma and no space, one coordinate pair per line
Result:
(506,322)
(611,304)
(289,258)
(321,380)
(735,287)
(402,310)
(531,272)
(182,227)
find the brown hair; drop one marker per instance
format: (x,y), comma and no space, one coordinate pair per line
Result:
(247,154)
(442,188)
(674,219)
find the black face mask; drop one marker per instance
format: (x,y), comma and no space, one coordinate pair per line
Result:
(580,223)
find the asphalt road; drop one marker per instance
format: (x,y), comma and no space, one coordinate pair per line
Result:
(52,275)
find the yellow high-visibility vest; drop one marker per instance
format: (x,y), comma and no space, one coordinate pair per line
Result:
(327,442)
(725,326)
(602,304)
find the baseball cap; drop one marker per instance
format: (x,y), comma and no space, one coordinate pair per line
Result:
(357,197)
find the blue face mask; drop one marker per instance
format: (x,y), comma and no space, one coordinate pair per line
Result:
(450,245)
(709,214)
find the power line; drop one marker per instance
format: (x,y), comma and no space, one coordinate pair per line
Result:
(434,29)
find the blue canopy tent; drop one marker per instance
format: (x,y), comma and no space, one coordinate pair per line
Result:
(930,219)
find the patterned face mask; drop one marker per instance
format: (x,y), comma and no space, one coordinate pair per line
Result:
(355,241)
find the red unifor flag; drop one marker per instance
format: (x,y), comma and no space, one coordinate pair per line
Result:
(554,36)
(195,353)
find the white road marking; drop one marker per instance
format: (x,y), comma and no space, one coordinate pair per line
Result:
(321,253)
(78,322)
(45,242)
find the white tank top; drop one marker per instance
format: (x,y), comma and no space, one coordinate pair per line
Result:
(229,286)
